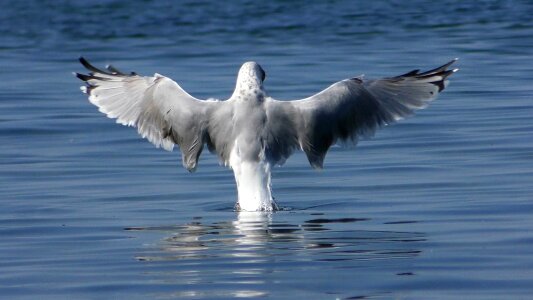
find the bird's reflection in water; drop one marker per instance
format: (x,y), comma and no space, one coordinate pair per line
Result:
(247,256)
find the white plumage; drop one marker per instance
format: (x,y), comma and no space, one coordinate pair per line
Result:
(251,132)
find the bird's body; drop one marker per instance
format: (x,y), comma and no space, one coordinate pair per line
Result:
(251,132)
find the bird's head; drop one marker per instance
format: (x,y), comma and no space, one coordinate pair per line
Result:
(250,82)
(251,71)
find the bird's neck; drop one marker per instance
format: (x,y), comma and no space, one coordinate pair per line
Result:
(248,89)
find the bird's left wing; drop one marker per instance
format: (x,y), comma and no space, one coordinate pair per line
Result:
(160,109)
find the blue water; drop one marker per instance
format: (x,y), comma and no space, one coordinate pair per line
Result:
(437,206)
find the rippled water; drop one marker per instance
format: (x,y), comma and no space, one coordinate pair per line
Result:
(437,206)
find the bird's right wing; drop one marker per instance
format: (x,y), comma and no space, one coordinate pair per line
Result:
(354,108)
(160,109)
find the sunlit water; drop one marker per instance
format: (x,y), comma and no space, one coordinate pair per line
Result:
(437,206)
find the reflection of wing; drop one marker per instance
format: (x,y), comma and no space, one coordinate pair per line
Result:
(354,108)
(160,109)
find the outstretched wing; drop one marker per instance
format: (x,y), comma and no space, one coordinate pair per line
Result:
(160,109)
(354,108)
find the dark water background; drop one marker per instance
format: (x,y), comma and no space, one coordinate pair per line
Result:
(437,206)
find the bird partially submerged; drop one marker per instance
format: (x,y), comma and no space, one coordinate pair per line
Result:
(252,132)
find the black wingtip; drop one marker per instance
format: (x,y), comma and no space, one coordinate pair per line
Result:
(442,68)
(110,70)
(83,77)
(91,76)
(92,68)
(411,73)
(86,64)
(440,85)
(114,70)
(440,71)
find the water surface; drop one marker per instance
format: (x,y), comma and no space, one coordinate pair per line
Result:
(437,206)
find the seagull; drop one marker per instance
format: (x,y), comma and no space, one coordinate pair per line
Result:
(251,132)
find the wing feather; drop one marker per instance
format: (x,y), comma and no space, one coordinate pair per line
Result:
(355,108)
(158,107)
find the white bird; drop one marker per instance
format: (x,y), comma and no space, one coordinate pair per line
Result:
(252,132)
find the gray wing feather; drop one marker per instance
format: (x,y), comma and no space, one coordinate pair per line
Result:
(160,109)
(220,131)
(355,108)
(281,130)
